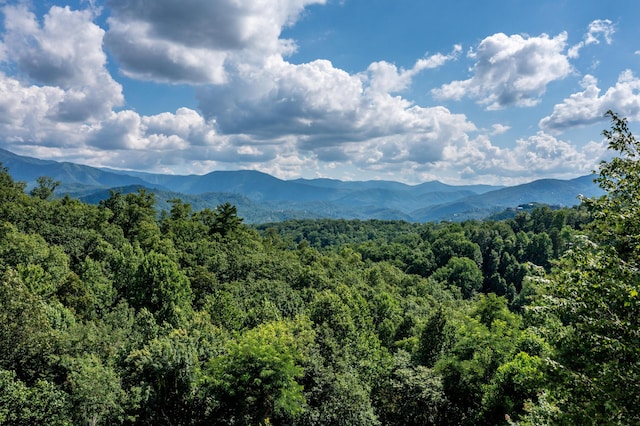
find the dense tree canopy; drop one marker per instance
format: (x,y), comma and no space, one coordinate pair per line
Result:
(593,294)
(120,314)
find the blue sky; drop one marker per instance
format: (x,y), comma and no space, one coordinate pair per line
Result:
(496,92)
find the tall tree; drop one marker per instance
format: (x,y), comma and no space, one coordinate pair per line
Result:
(226,219)
(256,377)
(46,187)
(594,292)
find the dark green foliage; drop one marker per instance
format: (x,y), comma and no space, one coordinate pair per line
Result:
(436,336)
(115,314)
(461,273)
(514,384)
(410,395)
(26,336)
(41,404)
(590,301)
(45,189)
(254,378)
(95,389)
(162,288)
(164,376)
(226,220)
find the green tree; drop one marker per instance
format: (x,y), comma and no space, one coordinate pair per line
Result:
(451,243)
(135,213)
(462,273)
(594,293)
(434,339)
(540,250)
(96,393)
(42,267)
(165,373)
(516,383)
(12,196)
(256,377)
(45,189)
(334,396)
(23,405)
(26,337)
(483,341)
(411,395)
(616,214)
(161,286)
(226,220)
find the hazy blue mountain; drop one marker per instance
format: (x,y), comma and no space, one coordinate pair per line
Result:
(27,169)
(553,191)
(353,185)
(263,198)
(423,188)
(256,185)
(546,191)
(250,211)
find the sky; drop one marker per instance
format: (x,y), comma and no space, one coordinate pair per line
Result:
(460,91)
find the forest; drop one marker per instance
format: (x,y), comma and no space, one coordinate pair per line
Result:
(119,314)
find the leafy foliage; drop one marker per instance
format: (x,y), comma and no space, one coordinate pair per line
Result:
(113,314)
(592,296)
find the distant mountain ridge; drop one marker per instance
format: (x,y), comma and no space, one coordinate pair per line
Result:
(261,197)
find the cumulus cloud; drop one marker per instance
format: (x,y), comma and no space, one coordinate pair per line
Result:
(186,129)
(587,107)
(270,114)
(64,57)
(259,111)
(60,101)
(24,110)
(511,70)
(333,114)
(598,28)
(180,142)
(543,152)
(55,83)
(143,57)
(498,129)
(539,155)
(385,77)
(191,41)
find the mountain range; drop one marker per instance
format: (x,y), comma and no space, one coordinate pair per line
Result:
(262,198)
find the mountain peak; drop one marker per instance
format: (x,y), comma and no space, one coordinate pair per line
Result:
(323,197)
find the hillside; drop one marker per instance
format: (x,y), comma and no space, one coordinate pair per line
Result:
(113,314)
(264,198)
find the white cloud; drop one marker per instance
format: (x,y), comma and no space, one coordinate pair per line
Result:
(183,142)
(192,40)
(540,155)
(144,57)
(60,85)
(587,107)
(120,131)
(597,28)
(332,114)
(511,70)
(65,53)
(261,112)
(385,77)
(282,98)
(273,115)
(185,123)
(544,153)
(165,132)
(499,129)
